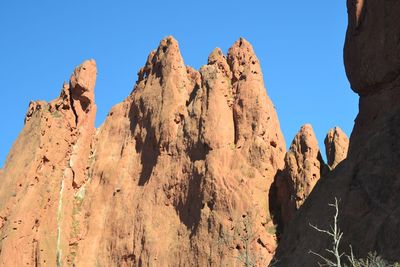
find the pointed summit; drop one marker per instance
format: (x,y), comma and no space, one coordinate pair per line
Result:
(243,61)
(84,76)
(168,53)
(161,62)
(81,90)
(336,146)
(303,168)
(218,58)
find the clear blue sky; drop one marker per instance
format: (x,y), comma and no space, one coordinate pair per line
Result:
(299,44)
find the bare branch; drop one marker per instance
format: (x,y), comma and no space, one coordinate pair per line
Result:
(336,235)
(327,261)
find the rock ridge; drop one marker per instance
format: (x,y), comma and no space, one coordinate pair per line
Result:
(189,156)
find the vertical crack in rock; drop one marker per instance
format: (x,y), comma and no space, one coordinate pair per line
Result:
(59,224)
(76,118)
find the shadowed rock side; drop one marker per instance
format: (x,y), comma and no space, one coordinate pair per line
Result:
(48,159)
(336,146)
(182,163)
(304,166)
(367,182)
(372,50)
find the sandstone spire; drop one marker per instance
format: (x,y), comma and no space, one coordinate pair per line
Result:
(303,168)
(336,146)
(178,174)
(171,157)
(49,158)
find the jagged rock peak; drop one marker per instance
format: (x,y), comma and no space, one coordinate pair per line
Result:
(303,168)
(77,95)
(336,146)
(189,155)
(166,58)
(243,61)
(218,58)
(84,77)
(305,142)
(49,162)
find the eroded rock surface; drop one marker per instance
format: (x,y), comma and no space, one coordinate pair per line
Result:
(177,175)
(336,146)
(50,156)
(304,166)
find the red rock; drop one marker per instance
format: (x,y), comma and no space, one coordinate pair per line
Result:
(49,157)
(303,168)
(175,174)
(336,146)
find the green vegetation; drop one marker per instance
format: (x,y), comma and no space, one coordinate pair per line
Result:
(56,114)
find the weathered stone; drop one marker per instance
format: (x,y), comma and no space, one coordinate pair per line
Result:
(39,201)
(177,175)
(336,146)
(303,168)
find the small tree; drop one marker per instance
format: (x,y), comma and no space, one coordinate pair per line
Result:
(373,260)
(336,235)
(245,237)
(247,257)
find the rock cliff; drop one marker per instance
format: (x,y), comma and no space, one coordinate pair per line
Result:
(191,169)
(45,167)
(177,175)
(366,182)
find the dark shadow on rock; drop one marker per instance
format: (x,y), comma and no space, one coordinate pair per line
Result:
(198,152)
(148,148)
(275,205)
(189,208)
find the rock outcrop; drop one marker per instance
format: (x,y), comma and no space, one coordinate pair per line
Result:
(304,166)
(177,175)
(336,146)
(367,181)
(372,50)
(181,172)
(41,174)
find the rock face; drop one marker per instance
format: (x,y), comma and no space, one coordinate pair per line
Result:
(304,166)
(372,50)
(177,175)
(42,172)
(336,146)
(368,180)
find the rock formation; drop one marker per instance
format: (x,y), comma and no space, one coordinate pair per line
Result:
(336,146)
(181,172)
(177,175)
(372,45)
(304,166)
(367,182)
(42,172)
